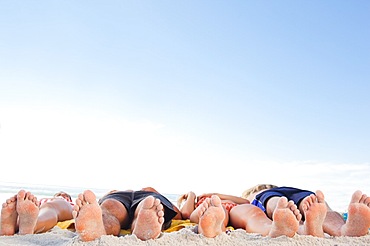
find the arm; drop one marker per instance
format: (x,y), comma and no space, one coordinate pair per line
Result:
(189,205)
(236,199)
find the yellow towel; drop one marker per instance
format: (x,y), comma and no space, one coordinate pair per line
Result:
(176,225)
(67,224)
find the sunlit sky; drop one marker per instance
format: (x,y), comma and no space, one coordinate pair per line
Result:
(210,96)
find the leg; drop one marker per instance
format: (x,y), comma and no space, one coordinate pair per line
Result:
(358,221)
(314,209)
(211,217)
(115,216)
(271,205)
(189,205)
(251,218)
(333,222)
(148,219)
(9,217)
(88,217)
(51,213)
(285,220)
(28,210)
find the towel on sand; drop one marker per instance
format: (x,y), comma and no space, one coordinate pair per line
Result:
(176,225)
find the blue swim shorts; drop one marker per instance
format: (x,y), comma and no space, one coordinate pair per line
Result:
(291,193)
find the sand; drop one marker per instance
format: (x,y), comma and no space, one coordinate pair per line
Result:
(185,236)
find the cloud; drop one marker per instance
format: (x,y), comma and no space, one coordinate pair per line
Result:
(75,148)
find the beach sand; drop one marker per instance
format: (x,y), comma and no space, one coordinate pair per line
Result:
(184,236)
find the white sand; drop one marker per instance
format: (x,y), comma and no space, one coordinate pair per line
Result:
(185,236)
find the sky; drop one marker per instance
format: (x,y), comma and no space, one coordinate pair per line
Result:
(209,96)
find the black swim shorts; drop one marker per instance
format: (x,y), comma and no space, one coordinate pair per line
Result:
(130,199)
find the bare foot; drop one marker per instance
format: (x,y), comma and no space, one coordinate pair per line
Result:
(88,217)
(314,208)
(28,211)
(285,219)
(9,217)
(149,220)
(211,217)
(358,221)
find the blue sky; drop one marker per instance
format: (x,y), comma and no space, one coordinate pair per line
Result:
(193,89)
